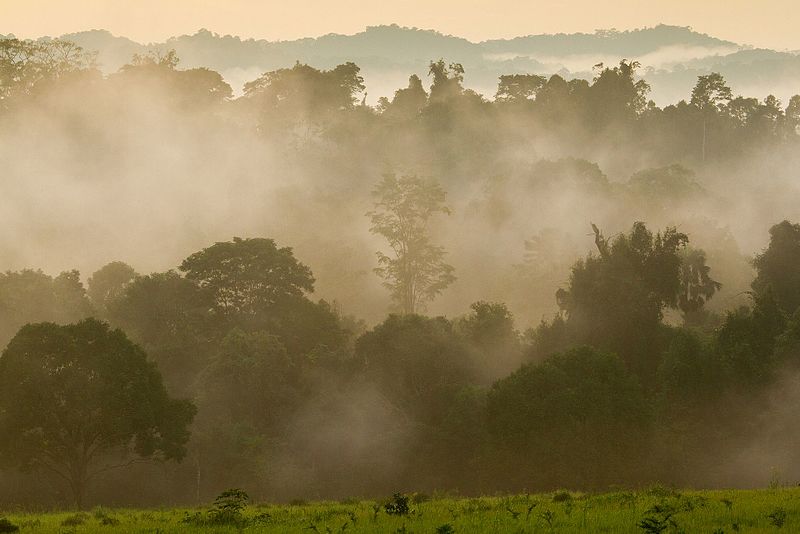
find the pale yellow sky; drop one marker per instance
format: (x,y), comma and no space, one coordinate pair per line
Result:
(765,23)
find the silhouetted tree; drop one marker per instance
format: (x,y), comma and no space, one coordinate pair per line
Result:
(519,87)
(776,267)
(447,80)
(248,276)
(615,301)
(710,95)
(407,102)
(80,399)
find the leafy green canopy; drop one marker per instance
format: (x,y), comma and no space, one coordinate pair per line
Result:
(246,276)
(74,398)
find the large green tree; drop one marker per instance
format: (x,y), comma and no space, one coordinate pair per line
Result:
(615,300)
(247,276)
(80,399)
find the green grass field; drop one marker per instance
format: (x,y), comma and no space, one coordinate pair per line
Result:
(655,510)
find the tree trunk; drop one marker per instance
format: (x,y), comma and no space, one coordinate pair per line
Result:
(704,139)
(79,483)
(79,492)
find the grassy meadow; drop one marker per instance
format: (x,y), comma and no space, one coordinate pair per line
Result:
(650,511)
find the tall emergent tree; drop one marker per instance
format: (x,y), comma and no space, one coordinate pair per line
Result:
(80,399)
(710,95)
(416,272)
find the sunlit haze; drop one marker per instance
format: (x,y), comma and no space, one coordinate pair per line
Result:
(769,23)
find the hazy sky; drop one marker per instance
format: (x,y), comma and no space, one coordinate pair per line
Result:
(767,23)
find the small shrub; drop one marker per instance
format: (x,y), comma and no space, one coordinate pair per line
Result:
(228,507)
(7,526)
(777,517)
(447,528)
(658,519)
(398,505)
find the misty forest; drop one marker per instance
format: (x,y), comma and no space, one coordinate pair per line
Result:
(309,292)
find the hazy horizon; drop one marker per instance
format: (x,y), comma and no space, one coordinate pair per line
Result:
(768,25)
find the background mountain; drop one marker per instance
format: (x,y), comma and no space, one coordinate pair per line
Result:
(671,56)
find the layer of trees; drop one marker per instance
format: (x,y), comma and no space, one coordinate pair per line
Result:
(287,391)
(634,379)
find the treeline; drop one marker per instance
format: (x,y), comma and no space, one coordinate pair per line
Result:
(643,374)
(302,103)
(294,400)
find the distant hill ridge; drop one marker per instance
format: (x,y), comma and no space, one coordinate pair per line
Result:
(671,56)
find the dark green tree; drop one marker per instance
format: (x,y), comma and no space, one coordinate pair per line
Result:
(747,339)
(776,267)
(248,276)
(80,399)
(615,300)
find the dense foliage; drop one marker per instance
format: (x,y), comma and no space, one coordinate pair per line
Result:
(638,371)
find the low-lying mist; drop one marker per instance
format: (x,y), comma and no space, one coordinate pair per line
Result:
(153,163)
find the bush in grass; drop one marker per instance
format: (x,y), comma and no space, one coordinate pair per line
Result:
(7,526)
(398,505)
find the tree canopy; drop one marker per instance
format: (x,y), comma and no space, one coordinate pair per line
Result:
(79,399)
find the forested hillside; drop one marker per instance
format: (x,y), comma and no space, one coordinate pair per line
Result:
(306,294)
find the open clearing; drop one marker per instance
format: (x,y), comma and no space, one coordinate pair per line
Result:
(652,510)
